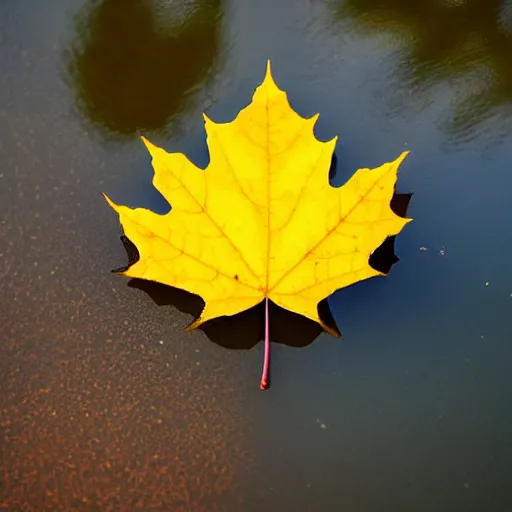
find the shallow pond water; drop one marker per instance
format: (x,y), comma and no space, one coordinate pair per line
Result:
(107,405)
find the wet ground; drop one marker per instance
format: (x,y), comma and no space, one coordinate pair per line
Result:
(107,405)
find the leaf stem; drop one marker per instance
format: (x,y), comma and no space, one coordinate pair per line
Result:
(264,383)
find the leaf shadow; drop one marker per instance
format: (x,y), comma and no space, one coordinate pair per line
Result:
(244,330)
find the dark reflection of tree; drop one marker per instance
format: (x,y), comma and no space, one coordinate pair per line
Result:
(132,67)
(446,39)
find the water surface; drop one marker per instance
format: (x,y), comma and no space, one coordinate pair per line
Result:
(107,405)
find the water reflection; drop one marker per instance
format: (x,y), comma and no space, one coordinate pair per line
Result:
(133,63)
(446,40)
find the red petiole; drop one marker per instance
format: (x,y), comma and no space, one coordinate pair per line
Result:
(264,384)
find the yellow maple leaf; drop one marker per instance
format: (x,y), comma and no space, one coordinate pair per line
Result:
(261,222)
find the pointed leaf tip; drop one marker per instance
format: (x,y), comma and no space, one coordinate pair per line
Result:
(403,156)
(109,201)
(194,325)
(149,145)
(268,74)
(313,119)
(330,330)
